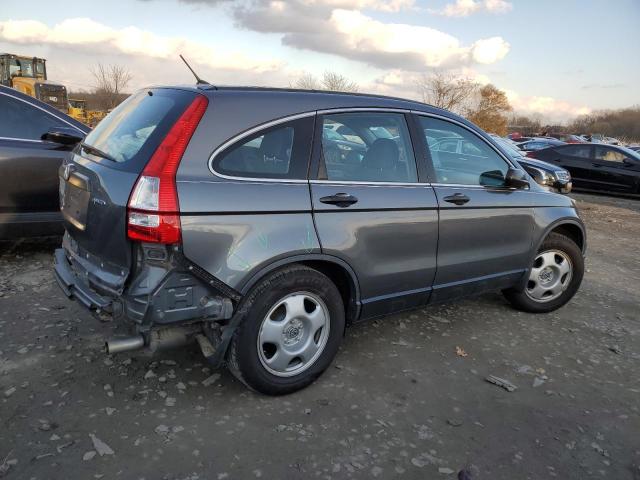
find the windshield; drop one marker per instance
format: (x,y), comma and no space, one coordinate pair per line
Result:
(21,67)
(512,151)
(630,153)
(130,126)
(332,134)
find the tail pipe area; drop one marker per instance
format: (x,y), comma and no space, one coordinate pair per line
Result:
(117,345)
(169,337)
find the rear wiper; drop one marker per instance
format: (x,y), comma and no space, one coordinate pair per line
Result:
(97,152)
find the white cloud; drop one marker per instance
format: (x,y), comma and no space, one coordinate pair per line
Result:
(87,35)
(489,50)
(381,5)
(316,25)
(464,8)
(550,108)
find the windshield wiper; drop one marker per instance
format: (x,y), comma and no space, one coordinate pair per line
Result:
(97,152)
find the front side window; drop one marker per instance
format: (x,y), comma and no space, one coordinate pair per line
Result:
(475,164)
(278,152)
(609,155)
(375,147)
(580,151)
(23,121)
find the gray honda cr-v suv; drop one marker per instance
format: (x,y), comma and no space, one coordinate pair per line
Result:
(260,222)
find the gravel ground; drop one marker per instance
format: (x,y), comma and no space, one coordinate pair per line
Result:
(405,398)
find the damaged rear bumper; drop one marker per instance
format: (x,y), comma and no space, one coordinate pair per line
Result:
(163,292)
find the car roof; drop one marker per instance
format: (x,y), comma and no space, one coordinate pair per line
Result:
(44,106)
(307,100)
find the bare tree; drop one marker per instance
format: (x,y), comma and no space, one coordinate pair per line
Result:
(446,90)
(306,81)
(330,81)
(338,83)
(110,81)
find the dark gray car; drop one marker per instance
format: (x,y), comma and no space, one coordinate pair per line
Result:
(34,139)
(212,214)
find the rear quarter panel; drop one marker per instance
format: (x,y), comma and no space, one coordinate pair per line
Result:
(234,229)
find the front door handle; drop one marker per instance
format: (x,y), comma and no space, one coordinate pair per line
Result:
(457,198)
(341,200)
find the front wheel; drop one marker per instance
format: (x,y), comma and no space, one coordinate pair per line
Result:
(554,278)
(293,323)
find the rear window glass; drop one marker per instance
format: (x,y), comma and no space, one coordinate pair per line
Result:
(279,152)
(134,129)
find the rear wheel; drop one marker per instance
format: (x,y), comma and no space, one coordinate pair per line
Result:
(293,323)
(554,278)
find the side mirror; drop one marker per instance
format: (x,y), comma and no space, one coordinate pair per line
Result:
(63,135)
(516,178)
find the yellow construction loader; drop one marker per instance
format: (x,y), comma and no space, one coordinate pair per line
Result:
(78,110)
(29,75)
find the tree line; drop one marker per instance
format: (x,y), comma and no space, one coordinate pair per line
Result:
(623,123)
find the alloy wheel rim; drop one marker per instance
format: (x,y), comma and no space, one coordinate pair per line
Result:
(550,276)
(293,334)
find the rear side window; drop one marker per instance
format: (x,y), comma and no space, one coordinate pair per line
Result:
(278,152)
(133,130)
(23,121)
(371,147)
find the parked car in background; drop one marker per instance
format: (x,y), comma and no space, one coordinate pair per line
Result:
(635,148)
(611,141)
(568,137)
(34,139)
(600,167)
(212,214)
(551,177)
(538,144)
(339,148)
(517,137)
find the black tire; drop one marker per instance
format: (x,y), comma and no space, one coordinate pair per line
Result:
(243,358)
(555,241)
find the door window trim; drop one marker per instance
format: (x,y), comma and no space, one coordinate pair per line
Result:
(247,133)
(39,108)
(420,149)
(28,140)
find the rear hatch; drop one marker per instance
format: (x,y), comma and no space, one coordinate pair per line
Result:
(96,183)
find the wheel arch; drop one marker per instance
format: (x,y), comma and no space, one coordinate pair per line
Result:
(338,271)
(569,227)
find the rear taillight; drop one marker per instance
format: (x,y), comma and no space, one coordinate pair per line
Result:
(153,214)
(531,154)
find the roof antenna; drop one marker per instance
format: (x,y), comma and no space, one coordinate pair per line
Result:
(199,81)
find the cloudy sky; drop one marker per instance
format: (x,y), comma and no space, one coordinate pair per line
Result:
(558,58)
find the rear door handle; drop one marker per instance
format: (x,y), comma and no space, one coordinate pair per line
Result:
(457,198)
(341,200)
